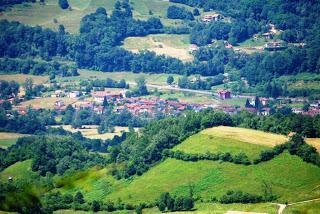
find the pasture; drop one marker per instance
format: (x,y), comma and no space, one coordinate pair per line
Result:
(162,44)
(315,142)
(18,171)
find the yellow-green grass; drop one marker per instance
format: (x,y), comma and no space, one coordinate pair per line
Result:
(7,139)
(203,143)
(246,135)
(303,208)
(46,102)
(157,79)
(315,142)
(216,208)
(237,101)
(168,44)
(21,78)
(315,85)
(91,131)
(18,171)
(290,177)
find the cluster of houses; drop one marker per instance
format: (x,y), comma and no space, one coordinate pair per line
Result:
(135,105)
(313,110)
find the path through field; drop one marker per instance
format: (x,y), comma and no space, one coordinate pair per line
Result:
(283,206)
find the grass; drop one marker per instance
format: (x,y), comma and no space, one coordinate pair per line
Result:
(90,131)
(157,79)
(7,139)
(18,171)
(216,208)
(21,78)
(246,135)
(291,179)
(305,208)
(237,101)
(202,143)
(168,44)
(46,102)
(37,14)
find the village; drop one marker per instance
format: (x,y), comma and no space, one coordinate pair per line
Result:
(152,105)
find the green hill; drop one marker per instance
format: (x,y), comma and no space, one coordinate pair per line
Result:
(291,178)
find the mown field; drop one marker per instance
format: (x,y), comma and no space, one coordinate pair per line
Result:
(44,14)
(168,44)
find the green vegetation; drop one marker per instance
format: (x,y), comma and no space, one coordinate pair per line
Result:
(5,143)
(202,143)
(309,208)
(18,171)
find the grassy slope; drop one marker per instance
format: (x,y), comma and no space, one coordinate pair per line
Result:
(19,170)
(291,179)
(202,143)
(170,45)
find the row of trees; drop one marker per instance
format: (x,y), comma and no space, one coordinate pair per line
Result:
(181,203)
(29,66)
(174,12)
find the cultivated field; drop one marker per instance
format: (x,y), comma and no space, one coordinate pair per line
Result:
(21,78)
(91,131)
(7,139)
(168,44)
(46,102)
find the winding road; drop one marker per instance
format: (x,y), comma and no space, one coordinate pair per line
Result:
(283,206)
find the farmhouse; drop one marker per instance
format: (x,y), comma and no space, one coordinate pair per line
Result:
(275,45)
(83,106)
(193,48)
(211,18)
(224,94)
(74,94)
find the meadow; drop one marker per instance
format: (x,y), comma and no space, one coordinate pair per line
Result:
(168,44)
(309,208)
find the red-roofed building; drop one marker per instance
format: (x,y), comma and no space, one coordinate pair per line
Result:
(224,94)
